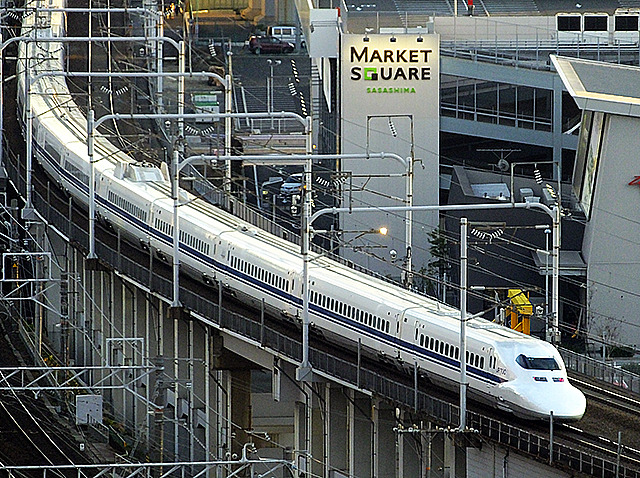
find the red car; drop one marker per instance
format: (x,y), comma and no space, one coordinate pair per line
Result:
(267,44)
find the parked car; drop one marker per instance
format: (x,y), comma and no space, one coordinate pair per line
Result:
(286,33)
(265,44)
(291,186)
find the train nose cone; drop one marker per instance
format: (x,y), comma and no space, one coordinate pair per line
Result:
(568,404)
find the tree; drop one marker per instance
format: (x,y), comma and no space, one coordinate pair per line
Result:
(439,263)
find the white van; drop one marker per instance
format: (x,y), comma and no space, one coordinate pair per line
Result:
(286,33)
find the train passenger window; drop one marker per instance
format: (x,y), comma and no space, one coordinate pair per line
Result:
(431,343)
(446,349)
(457,353)
(379,322)
(533,363)
(417,335)
(481,362)
(388,326)
(596,23)
(569,23)
(421,340)
(626,23)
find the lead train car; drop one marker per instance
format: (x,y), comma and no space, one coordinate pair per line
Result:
(505,369)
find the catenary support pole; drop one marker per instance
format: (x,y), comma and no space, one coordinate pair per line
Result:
(463,323)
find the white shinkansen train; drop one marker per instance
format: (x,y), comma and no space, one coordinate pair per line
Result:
(505,369)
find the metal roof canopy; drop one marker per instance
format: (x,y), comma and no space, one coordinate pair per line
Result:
(571,263)
(599,86)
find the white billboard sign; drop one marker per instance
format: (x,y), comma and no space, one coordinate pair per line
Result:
(390,96)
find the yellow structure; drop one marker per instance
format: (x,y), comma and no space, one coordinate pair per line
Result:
(519,311)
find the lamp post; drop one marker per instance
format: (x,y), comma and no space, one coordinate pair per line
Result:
(553,332)
(272,64)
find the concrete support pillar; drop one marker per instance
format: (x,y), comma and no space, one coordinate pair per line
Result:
(449,457)
(301,432)
(375,441)
(411,448)
(361,436)
(223,413)
(386,440)
(337,438)
(319,432)
(240,408)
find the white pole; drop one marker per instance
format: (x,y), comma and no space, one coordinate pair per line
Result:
(28,207)
(304,371)
(228,93)
(547,231)
(181,91)
(555,310)
(176,225)
(160,65)
(463,323)
(92,186)
(409,223)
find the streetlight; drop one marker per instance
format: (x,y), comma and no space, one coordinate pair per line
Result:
(272,64)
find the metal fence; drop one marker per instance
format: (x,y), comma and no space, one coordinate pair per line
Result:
(605,372)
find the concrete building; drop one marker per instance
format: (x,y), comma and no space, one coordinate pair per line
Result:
(605,181)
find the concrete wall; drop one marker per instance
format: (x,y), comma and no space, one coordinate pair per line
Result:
(610,245)
(497,462)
